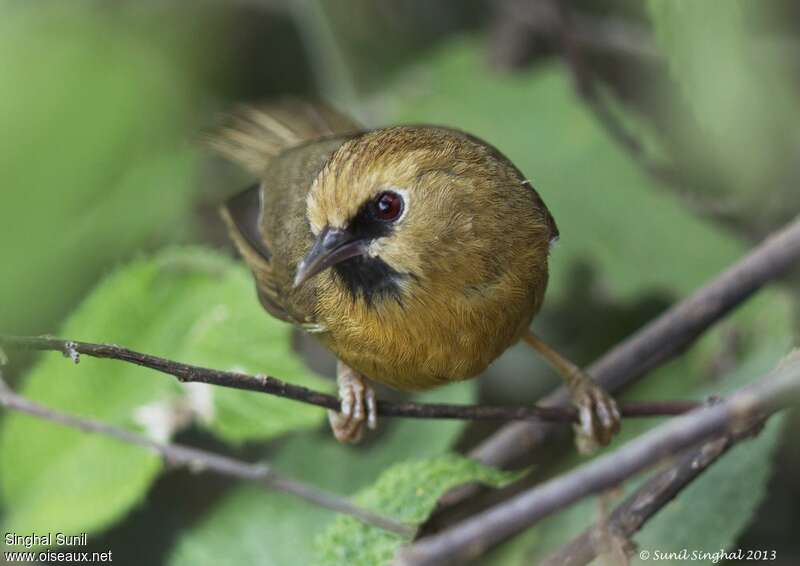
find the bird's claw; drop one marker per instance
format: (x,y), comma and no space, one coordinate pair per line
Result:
(357,408)
(598,415)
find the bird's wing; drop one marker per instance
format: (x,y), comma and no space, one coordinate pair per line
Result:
(241,213)
(267,221)
(252,136)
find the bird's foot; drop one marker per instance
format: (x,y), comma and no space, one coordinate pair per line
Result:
(598,414)
(357,406)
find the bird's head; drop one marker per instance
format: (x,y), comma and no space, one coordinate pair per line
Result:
(401,206)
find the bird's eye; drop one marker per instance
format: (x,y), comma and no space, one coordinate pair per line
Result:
(388,206)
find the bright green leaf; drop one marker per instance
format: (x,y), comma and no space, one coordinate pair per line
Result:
(232,332)
(187,304)
(408,492)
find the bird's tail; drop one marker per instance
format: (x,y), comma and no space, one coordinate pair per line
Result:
(253,135)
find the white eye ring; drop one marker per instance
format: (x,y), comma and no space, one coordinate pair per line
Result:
(406,201)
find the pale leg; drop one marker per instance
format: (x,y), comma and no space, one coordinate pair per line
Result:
(357,405)
(597,410)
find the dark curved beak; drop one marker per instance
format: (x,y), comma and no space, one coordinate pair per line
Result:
(331,247)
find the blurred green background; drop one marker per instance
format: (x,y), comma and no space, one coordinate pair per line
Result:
(663,136)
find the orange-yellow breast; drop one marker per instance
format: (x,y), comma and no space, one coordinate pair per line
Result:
(440,335)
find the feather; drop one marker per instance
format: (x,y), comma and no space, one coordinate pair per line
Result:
(253,135)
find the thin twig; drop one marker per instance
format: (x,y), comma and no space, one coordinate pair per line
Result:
(470,538)
(274,386)
(199,460)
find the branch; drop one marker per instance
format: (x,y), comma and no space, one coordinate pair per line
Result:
(630,516)
(200,460)
(519,22)
(659,341)
(274,386)
(470,538)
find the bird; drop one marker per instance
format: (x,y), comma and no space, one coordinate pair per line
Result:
(417,254)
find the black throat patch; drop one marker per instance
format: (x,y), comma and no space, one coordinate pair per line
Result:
(371,278)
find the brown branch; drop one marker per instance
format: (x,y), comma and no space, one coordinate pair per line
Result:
(659,341)
(520,29)
(274,386)
(200,460)
(472,537)
(520,26)
(630,516)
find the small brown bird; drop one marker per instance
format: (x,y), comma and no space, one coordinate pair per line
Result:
(416,254)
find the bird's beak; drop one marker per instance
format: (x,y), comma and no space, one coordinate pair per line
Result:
(331,247)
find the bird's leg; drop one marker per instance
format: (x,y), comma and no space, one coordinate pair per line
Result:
(357,405)
(597,410)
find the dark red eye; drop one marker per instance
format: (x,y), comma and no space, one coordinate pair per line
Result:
(388,206)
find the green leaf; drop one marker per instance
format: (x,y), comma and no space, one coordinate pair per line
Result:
(251,525)
(191,305)
(232,332)
(347,470)
(408,492)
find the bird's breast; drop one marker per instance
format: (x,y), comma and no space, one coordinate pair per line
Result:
(417,342)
